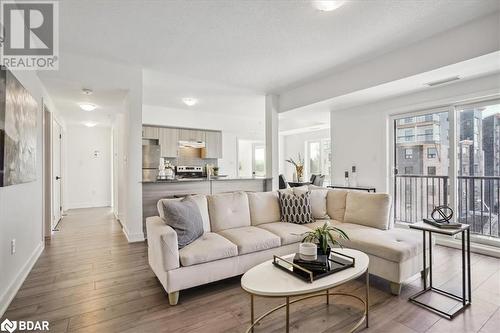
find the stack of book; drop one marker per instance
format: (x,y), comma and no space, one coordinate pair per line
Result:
(320,264)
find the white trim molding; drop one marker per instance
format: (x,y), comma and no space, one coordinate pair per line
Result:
(132,238)
(16,284)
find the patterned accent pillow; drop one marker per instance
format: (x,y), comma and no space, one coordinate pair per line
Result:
(295,208)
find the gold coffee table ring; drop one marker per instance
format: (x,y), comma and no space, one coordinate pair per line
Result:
(265,280)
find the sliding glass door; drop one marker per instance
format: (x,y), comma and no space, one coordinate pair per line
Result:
(421,156)
(449,156)
(478,165)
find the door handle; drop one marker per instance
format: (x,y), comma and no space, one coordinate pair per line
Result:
(57,177)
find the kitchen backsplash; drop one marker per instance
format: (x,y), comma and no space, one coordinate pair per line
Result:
(192,161)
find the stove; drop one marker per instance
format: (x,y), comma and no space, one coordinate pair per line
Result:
(183,171)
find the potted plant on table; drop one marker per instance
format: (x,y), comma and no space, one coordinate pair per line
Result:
(323,238)
(299,167)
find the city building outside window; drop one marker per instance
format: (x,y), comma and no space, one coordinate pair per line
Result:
(431,171)
(408,153)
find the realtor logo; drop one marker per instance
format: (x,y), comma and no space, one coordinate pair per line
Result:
(30,38)
(8,326)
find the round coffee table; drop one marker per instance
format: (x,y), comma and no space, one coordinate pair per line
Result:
(266,280)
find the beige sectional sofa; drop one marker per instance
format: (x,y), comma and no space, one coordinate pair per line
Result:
(244,229)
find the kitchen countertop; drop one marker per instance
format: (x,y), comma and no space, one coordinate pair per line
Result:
(189,180)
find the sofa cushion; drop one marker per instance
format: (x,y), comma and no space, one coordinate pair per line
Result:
(201,201)
(288,232)
(295,207)
(251,239)
(369,209)
(228,210)
(395,245)
(264,207)
(335,204)
(209,247)
(185,218)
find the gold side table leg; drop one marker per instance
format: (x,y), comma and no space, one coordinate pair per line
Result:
(252,314)
(367,295)
(287,314)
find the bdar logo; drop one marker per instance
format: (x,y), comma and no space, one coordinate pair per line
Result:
(8,326)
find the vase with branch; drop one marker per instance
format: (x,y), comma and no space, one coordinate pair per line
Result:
(299,167)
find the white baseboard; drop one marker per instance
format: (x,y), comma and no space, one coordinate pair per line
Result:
(474,247)
(18,281)
(137,237)
(88,205)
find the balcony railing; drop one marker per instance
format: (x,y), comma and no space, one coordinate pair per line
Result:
(477,203)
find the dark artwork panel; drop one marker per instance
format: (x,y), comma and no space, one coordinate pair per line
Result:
(18,120)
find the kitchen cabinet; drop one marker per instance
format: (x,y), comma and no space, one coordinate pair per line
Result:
(213,144)
(169,141)
(150,132)
(191,135)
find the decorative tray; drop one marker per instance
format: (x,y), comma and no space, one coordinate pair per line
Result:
(335,263)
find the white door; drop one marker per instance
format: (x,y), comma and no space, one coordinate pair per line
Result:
(56,173)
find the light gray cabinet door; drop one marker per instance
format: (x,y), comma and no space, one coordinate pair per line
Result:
(149,132)
(213,144)
(169,140)
(191,135)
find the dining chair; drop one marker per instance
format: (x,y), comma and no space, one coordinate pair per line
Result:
(313,177)
(282,182)
(319,180)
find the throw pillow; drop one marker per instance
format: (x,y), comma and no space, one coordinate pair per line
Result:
(185,218)
(295,208)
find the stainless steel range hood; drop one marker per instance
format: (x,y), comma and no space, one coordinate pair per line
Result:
(191,144)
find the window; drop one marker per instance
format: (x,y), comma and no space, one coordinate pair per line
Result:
(431,171)
(408,153)
(408,170)
(408,135)
(431,152)
(251,158)
(318,157)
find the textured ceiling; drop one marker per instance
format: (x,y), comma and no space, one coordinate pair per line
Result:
(258,45)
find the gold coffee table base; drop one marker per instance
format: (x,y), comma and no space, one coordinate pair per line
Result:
(320,293)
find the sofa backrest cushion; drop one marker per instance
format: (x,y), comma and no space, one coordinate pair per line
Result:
(335,204)
(264,207)
(368,209)
(201,201)
(228,210)
(318,199)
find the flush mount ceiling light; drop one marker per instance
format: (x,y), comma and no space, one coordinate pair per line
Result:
(328,5)
(87,106)
(189,101)
(90,124)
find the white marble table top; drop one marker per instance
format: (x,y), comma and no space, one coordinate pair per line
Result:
(267,280)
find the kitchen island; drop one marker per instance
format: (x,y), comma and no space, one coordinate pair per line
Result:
(152,191)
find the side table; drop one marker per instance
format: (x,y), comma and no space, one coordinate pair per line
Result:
(465,298)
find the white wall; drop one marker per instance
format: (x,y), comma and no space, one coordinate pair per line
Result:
(294,144)
(233,128)
(360,135)
(88,177)
(21,210)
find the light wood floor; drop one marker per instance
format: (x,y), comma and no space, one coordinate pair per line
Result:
(89,279)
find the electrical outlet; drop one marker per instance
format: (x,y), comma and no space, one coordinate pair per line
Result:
(13,246)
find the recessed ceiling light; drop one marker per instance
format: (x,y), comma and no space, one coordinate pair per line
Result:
(328,5)
(90,124)
(87,106)
(87,91)
(189,101)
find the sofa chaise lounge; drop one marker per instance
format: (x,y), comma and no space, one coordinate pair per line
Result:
(242,230)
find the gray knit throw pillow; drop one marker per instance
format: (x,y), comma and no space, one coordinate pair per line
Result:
(295,208)
(185,218)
